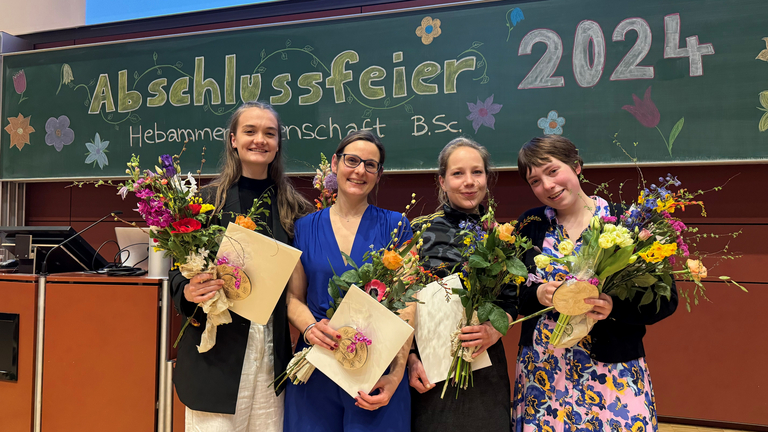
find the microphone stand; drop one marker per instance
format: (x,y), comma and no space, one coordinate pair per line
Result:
(44,268)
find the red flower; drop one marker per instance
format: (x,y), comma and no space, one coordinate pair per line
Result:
(645,110)
(185,226)
(194,208)
(20,82)
(377,289)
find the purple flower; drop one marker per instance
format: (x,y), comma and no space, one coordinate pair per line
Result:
(677,225)
(594,281)
(57,132)
(609,219)
(123,191)
(482,113)
(645,110)
(682,247)
(154,213)
(167,161)
(330,182)
(533,278)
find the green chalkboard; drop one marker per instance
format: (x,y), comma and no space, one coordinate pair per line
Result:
(681,79)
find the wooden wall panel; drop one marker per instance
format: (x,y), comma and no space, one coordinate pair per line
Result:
(17,398)
(100,357)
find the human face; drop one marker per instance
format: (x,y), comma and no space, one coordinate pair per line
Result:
(556,184)
(465,181)
(255,141)
(356,182)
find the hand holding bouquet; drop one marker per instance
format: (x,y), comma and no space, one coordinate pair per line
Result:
(492,252)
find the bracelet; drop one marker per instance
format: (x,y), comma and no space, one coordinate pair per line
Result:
(304,334)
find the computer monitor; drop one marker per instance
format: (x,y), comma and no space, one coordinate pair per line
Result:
(31,244)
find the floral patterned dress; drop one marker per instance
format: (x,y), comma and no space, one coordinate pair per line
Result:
(565,389)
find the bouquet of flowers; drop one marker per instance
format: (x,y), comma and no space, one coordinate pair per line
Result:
(492,252)
(181,226)
(325,182)
(634,254)
(392,275)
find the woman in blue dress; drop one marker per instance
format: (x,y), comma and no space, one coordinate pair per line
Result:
(351,226)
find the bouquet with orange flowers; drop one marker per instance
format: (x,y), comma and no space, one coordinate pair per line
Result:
(325,182)
(391,275)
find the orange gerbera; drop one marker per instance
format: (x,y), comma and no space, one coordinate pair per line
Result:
(392,260)
(19,129)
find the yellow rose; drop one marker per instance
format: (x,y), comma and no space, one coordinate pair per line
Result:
(505,233)
(392,260)
(698,271)
(565,247)
(606,240)
(206,208)
(541,261)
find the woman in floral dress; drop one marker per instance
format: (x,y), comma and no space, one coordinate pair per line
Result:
(601,383)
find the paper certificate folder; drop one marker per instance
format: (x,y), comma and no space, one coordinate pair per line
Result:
(436,320)
(268,264)
(386,330)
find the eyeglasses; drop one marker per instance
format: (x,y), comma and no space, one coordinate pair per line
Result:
(353,161)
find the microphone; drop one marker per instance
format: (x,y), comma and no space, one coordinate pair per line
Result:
(44,269)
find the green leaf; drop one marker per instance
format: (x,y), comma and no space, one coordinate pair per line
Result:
(461,292)
(647,297)
(351,277)
(516,267)
(484,312)
(476,261)
(644,280)
(495,268)
(616,262)
(675,131)
(499,319)
(662,289)
(350,261)
(763,126)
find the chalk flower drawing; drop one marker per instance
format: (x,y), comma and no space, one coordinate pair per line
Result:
(763,126)
(20,83)
(513,17)
(647,114)
(57,132)
(552,124)
(482,113)
(428,30)
(19,130)
(764,53)
(66,76)
(97,152)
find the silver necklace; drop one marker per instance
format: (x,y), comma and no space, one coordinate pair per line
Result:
(342,217)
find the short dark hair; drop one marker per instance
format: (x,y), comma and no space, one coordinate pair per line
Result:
(362,135)
(541,150)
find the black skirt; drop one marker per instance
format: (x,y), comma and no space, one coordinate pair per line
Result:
(484,406)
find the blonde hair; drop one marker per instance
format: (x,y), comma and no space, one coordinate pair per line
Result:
(445,154)
(290,204)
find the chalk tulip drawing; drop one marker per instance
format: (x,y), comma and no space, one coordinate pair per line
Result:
(20,84)
(513,17)
(647,114)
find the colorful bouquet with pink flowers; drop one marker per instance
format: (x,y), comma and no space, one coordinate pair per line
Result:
(325,182)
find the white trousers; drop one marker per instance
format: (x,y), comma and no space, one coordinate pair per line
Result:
(258,409)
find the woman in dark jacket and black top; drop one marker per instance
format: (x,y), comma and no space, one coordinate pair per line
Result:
(464,167)
(602,383)
(226,388)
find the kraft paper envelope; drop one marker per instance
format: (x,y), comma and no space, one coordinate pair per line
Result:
(268,264)
(436,320)
(387,331)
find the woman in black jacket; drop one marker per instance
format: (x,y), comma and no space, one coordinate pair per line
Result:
(464,169)
(602,383)
(226,388)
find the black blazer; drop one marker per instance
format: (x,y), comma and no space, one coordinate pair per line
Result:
(210,381)
(616,339)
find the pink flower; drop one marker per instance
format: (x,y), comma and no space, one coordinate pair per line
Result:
(20,82)
(376,289)
(644,235)
(678,226)
(645,110)
(609,219)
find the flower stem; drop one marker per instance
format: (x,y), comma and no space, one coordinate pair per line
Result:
(665,141)
(541,312)
(184,327)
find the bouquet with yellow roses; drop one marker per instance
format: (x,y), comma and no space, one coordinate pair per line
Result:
(634,254)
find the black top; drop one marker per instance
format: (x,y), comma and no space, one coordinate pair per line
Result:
(616,339)
(210,381)
(443,246)
(252,189)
